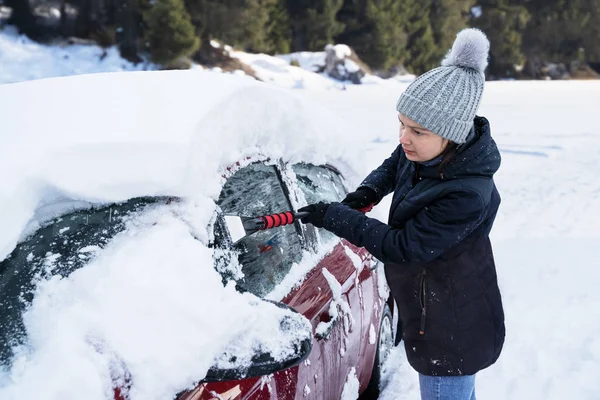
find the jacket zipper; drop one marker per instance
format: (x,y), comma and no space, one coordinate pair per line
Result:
(423,301)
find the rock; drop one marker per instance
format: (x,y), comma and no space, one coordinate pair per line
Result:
(582,71)
(342,64)
(555,71)
(217,55)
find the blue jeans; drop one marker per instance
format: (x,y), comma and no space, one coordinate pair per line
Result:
(447,387)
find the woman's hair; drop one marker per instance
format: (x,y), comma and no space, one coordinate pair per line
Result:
(447,155)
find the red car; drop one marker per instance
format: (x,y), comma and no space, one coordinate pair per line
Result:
(335,285)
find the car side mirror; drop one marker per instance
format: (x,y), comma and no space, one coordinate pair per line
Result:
(264,364)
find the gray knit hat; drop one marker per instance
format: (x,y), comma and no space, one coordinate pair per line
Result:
(445,99)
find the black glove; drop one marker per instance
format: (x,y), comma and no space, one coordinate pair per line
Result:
(317,213)
(361,198)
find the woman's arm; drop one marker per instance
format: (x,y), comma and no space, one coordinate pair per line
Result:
(425,237)
(383,179)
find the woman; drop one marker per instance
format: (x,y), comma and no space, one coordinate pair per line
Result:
(436,249)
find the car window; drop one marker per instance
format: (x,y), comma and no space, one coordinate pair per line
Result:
(319,183)
(60,247)
(265,256)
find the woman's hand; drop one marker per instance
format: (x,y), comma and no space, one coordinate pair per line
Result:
(361,198)
(317,214)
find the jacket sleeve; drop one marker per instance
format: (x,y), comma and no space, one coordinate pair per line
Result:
(432,231)
(383,179)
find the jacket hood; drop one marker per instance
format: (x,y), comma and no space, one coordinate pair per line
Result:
(477,157)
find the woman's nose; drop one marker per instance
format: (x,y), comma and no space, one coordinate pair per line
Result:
(404,139)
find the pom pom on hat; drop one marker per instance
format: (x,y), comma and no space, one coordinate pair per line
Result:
(470,50)
(445,99)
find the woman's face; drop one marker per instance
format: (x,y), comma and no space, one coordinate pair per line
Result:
(418,143)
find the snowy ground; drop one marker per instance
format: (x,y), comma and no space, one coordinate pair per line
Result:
(546,237)
(22,59)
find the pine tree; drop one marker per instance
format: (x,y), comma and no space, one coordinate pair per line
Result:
(263,25)
(279,31)
(387,40)
(322,25)
(170,33)
(591,31)
(252,25)
(563,31)
(503,21)
(22,17)
(128,21)
(375,29)
(353,16)
(313,23)
(421,49)
(215,19)
(447,17)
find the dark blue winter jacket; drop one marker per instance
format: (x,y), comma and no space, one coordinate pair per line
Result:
(437,254)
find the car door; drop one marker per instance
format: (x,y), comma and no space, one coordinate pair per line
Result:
(351,268)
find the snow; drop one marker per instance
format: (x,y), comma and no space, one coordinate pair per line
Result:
(342,51)
(351,66)
(324,327)
(297,273)
(350,391)
(137,304)
(382,287)
(266,380)
(338,308)
(546,237)
(308,60)
(23,59)
(278,70)
(306,390)
(334,285)
(372,335)
(355,258)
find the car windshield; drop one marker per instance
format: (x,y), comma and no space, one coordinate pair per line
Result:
(265,256)
(319,183)
(60,247)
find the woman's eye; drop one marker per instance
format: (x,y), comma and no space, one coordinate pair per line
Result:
(418,133)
